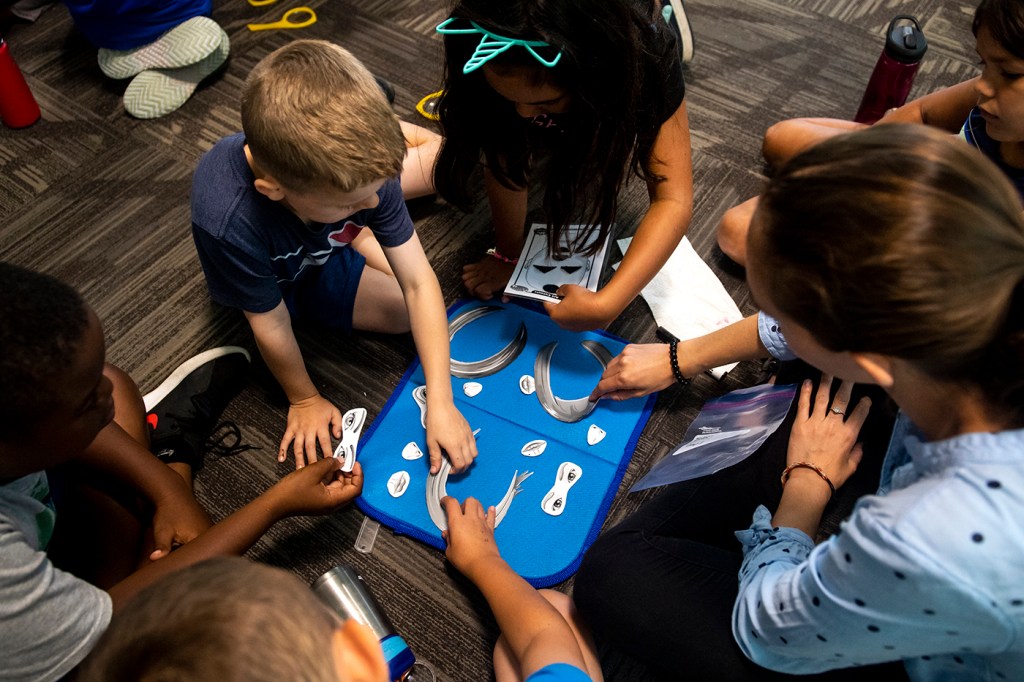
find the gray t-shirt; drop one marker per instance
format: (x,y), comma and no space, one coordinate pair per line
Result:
(49,619)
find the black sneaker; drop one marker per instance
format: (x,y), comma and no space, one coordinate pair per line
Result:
(387,88)
(674,13)
(182,412)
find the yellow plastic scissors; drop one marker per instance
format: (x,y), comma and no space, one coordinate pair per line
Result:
(428,106)
(288,20)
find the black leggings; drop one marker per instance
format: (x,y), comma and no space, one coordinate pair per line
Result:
(660,586)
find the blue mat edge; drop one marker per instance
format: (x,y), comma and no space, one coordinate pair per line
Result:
(401,527)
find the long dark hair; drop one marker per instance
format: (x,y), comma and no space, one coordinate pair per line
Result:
(613,65)
(902,241)
(1005,20)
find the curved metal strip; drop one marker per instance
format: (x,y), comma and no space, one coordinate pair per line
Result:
(490,365)
(501,509)
(561,409)
(436,490)
(437,485)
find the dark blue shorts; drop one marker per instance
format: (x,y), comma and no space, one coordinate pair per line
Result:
(327,297)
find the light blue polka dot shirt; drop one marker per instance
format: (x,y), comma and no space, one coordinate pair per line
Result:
(929,570)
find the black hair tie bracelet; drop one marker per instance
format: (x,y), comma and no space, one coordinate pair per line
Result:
(674,357)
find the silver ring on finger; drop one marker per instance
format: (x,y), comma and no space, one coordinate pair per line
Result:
(836,410)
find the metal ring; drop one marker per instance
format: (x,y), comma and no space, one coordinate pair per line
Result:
(490,365)
(836,410)
(564,410)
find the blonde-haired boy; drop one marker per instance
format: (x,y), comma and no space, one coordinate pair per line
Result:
(228,619)
(232,619)
(302,217)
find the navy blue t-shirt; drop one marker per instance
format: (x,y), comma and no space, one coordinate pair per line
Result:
(253,249)
(127,24)
(975,133)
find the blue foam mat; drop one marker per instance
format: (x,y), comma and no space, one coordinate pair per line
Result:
(544,549)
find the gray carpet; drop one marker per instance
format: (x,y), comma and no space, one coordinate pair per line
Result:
(101,200)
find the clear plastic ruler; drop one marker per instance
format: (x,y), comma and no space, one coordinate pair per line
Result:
(367,535)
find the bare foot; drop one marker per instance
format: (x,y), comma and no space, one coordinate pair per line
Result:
(487,277)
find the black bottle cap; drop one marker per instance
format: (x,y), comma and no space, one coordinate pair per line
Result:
(905,42)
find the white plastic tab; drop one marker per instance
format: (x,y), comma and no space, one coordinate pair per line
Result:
(554,502)
(398,483)
(534,448)
(351,426)
(411,451)
(367,535)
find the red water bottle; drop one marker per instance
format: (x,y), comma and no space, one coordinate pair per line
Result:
(18,107)
(894,73)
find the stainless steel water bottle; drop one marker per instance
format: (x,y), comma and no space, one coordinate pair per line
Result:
(894,72)
(345,593)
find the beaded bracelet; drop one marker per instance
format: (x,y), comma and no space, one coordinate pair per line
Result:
(807,465)
(494,253)
(674,357)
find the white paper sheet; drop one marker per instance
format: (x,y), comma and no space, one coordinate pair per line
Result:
(687,298)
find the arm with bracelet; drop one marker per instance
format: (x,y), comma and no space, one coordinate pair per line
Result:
(641,369)
(823,453)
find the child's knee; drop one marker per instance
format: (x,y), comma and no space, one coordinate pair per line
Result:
(125,387)
(562,603)
(397,318)
(380,307)
(394,311)
(776,142)
(732,233)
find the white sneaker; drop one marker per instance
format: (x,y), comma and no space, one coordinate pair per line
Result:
(674,13)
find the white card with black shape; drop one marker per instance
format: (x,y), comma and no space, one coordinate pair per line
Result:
(539,273)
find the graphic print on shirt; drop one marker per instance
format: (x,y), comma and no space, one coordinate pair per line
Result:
(346,235)
(335,239)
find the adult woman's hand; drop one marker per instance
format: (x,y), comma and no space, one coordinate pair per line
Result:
(824,438)
(825,434)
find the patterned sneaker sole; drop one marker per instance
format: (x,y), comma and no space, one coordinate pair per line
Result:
(184,44)
(685,31)
(153,398)
(156,93)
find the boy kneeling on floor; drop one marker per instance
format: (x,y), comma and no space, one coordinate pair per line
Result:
(76,426)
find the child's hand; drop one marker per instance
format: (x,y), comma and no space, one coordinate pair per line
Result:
(448,433)
(825,435)
(640,369)
(580,309)
(319,488)
(487,277)
(470,535)
(310,421)
(175,522)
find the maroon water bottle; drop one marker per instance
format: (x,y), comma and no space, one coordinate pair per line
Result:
(894,73)
(18,107)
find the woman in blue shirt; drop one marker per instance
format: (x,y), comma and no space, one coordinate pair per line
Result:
(888,256)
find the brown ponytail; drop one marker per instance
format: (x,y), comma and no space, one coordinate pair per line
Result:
(903,241)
